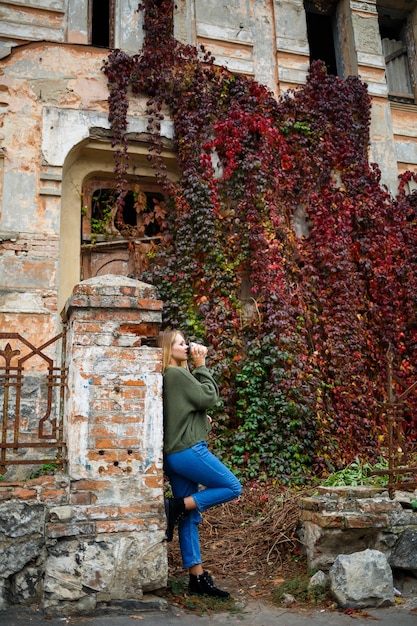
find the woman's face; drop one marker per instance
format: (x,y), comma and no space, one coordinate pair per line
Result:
(178,350)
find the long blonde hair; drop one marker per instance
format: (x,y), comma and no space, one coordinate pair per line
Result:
(165,341)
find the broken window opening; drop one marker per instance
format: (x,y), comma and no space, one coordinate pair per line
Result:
(138,212)
(119,243)
(321,35)
(102,23)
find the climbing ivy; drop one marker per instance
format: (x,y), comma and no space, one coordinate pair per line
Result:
(300,359)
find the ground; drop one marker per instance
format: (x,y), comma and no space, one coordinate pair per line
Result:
(250,547)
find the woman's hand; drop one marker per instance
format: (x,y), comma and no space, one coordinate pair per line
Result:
(198,354)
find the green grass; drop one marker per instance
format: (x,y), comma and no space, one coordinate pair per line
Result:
(178,590)
(298,588)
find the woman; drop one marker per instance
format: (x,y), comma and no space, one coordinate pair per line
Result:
(187,460)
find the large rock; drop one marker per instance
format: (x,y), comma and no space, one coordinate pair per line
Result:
(19,519)
(21,535)
(16,555)
(26,585)
(114,568)
(404,552)
(363,579)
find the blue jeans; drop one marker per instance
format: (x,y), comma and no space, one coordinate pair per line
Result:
(186,471)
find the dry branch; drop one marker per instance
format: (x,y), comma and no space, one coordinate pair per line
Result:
(255,533)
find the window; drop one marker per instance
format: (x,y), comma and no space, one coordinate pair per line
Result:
(102,23)
(320,32)
(138,212)
(397,42)
(110,245)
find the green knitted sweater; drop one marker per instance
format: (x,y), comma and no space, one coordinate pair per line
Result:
(187,396)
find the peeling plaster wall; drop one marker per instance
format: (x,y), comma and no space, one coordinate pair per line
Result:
(53,98)
(49,106)
(51,111)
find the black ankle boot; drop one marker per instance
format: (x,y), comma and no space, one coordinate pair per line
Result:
(175,511)
(203,586)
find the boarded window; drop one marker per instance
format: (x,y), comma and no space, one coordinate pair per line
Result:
(397,45)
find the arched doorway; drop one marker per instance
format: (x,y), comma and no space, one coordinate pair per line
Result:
(88,183)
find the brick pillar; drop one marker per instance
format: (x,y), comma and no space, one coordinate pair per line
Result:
(112,532)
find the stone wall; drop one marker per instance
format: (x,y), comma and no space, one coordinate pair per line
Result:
(344,520)
(95,533)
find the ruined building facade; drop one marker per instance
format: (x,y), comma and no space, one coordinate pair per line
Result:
(55,153)
(95,532)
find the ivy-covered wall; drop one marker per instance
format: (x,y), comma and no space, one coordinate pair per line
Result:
(301,357)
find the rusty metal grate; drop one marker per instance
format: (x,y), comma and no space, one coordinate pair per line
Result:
(400,451)
(32,386)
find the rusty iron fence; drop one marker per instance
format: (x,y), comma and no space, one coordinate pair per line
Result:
(32,389)
(402,454)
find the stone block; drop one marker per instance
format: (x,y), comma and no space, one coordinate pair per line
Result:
(378,505)
(362,579)
(323,545)
(404,552)
(346,492)
(118,567)
(16,554)
(328,520)
(70,529)
(365,521)
(61,513)
(27,585)
(311,504)
(20,519)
